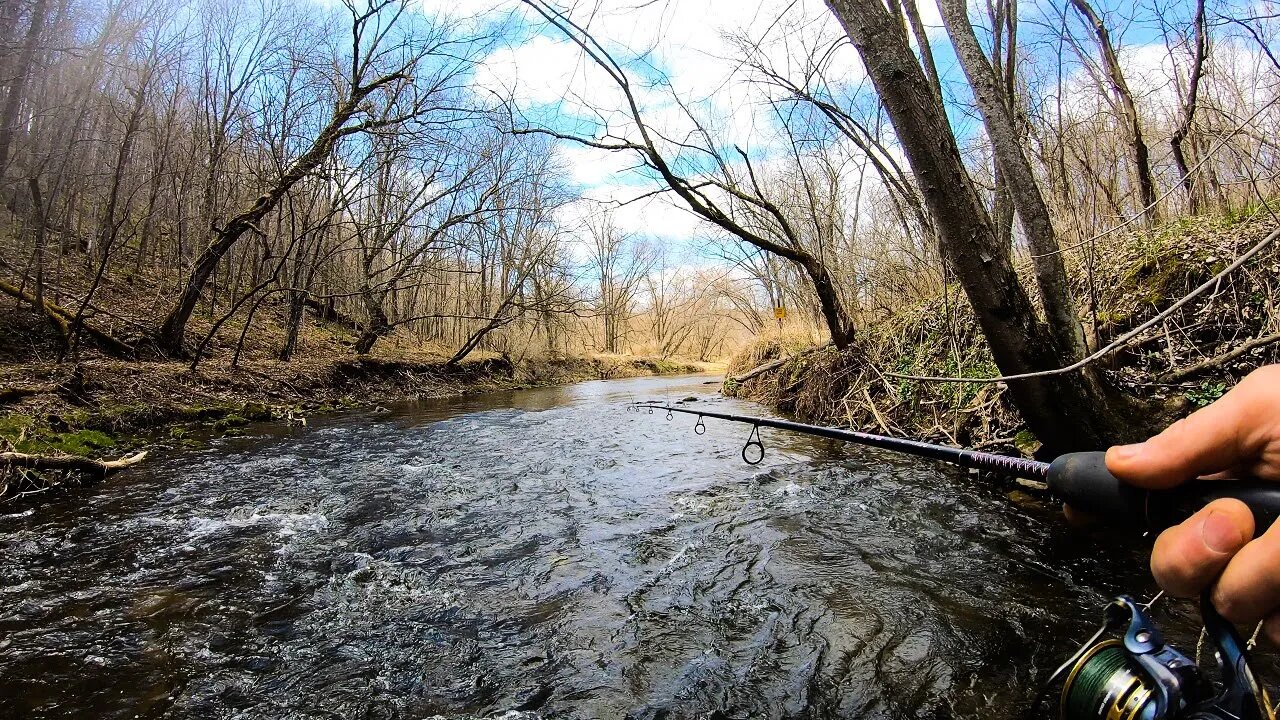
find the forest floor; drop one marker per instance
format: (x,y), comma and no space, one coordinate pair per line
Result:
(1188,360)
(102,407)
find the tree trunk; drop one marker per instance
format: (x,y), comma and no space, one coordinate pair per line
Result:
(1133,124)
(1067,412)
(293,325)
(1189,104)
(1020,182)
(379,324)
(17,88)
(39,222)
(170,335)
(174,327)
(833,313)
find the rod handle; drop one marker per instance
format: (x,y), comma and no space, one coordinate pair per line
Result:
(1082,480)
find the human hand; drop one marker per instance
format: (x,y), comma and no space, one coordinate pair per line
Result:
(1238,435)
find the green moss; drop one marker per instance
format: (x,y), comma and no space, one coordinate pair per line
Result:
(1027,442)
(15,428)
(78,442)
(83,442)
(229,422)
(256,411)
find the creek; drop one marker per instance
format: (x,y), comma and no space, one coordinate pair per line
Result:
(544,554)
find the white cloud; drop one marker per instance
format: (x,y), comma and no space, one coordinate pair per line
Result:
(662,217)
(695,46)
(539,72)
(463,9)
(691,45)
(591,167)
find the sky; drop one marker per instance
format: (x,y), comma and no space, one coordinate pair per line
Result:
(679,48)
(683,49)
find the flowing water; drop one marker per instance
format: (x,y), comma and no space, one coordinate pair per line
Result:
(544,554)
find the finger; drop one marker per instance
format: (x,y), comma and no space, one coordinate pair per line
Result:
(1187,557)
(1249,588)
(1222,435)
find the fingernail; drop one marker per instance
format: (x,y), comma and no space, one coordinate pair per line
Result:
(1127,452)
(1220,534)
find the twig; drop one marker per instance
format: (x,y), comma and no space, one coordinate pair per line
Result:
(1220,360)
(884,426)
(994,442)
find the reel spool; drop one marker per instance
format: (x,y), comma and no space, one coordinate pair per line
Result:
(1104,685)
(1136,676)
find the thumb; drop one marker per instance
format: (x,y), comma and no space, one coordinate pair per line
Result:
(1206,441)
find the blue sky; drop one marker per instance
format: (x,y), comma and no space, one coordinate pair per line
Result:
(684,53)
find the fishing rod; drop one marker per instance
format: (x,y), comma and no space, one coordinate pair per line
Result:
(1080,479)
(1125,671)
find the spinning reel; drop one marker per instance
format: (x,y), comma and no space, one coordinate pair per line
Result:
(1127,672)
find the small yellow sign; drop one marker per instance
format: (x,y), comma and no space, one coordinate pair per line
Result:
(780,313)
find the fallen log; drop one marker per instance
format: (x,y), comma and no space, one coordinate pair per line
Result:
(61,318)
(15,393)
(1219,361)
(774,364)
(71,463)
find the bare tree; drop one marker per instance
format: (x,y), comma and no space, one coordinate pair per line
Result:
(412,210)
(1019,180)
(15,87)
(722,197)
(1190,102)
(374,70)
(1065,412)
(1128,109)
(521,243)
(621,261)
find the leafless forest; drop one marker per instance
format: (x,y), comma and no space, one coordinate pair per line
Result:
(178,176)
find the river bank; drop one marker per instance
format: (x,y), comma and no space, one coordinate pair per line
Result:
(102,407)
(1186,361)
